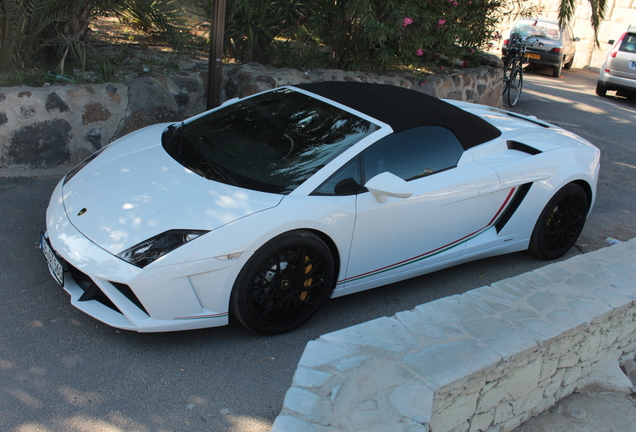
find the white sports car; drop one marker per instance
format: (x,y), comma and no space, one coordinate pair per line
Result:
(269,205)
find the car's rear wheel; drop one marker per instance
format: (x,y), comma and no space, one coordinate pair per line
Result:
(601,90)
(284,283)
(556,70)
(560,223)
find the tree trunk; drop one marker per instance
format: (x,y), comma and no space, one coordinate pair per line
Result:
(78,27)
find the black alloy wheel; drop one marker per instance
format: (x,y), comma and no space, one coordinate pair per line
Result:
(560,223)
(284,283)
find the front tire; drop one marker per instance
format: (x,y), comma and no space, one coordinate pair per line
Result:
(284,283)
(560,223)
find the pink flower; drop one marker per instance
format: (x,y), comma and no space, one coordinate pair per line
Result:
(406,21)
(419,52)
(442,68)
(441,22)
(455,3)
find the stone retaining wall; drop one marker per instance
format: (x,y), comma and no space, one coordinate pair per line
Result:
(486,360)
(62,124)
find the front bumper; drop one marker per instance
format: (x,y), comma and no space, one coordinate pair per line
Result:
(127,297)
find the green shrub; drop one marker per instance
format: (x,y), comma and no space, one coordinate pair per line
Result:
(41,35)
(380,34)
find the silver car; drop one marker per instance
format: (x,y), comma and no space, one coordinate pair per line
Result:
(548,44)
(619,68)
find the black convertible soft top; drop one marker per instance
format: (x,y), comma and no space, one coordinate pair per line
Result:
(404,109)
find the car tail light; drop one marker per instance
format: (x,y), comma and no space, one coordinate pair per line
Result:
(555,50)
(617,44)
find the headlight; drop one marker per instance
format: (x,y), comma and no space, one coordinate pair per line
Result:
(154,248)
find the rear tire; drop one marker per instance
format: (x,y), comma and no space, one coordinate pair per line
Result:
(284,283)
(601,90)
(556,71)
(560,223)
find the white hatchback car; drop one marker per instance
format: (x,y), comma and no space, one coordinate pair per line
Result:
(619,69)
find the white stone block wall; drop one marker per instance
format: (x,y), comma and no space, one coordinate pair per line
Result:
(486,360)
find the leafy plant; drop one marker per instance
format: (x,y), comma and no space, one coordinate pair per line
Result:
(164,17)
(252,25)
(52,34)
(380,34)
(300,56)
(45,33)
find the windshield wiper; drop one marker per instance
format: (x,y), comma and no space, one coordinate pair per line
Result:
(221,173)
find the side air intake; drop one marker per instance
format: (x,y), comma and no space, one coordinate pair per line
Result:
(516,145)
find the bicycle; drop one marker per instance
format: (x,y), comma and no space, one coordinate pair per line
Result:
(513,68)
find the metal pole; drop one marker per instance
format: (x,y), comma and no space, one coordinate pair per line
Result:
(215,76)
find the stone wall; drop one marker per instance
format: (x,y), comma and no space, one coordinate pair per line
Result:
(59,125)
(486,360)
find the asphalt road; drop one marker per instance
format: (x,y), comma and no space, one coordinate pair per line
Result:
(610,124)
(62,371)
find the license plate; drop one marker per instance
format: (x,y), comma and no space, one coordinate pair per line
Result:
(55,266)
(533,56)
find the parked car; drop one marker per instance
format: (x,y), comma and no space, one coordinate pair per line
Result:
(548,44)
(269,205)
(619,68)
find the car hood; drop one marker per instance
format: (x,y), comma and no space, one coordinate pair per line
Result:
(134,190)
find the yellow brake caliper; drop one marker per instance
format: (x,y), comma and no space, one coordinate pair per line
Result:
(308,282)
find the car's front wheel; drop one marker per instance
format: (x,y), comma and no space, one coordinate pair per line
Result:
(560,223)
(284,283)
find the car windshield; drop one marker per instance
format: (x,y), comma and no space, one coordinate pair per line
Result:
(272,142)
(538,29)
